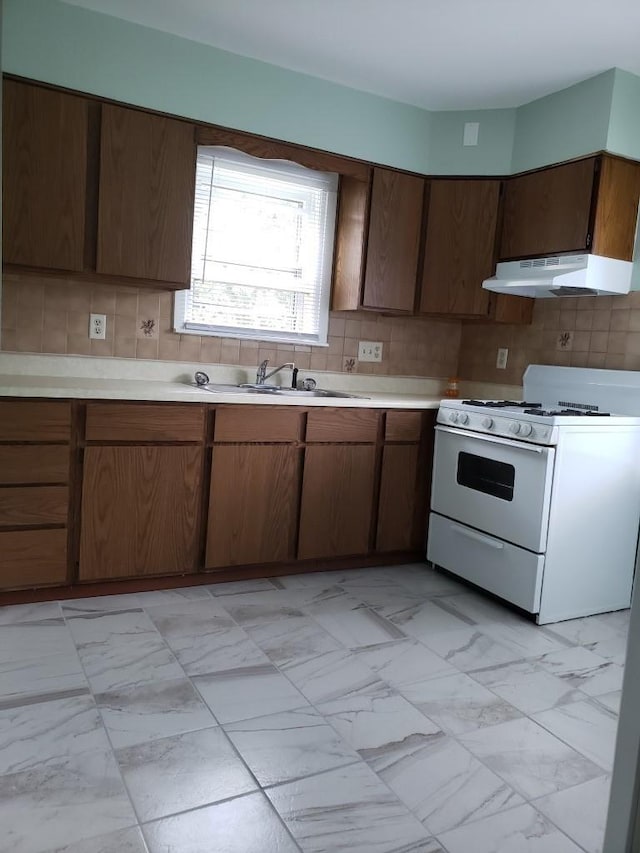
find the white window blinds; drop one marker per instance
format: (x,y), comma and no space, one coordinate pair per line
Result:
(262,249)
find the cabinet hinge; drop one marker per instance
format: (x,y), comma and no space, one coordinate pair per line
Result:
(588,240)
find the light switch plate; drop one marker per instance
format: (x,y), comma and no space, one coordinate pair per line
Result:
(369,350)
(470,133)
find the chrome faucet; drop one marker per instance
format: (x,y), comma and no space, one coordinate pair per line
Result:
(262,375)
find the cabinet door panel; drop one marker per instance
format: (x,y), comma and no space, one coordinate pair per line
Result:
(253,504)
(32,558)
(337,497)
(139,511)
(44,177)
(394,235)
(460,246)
(398,496)
(548,211)
(147,175)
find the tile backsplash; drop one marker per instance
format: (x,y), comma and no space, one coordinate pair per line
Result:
(46,315)
(600,331)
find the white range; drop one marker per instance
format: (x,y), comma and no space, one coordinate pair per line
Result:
(538,502)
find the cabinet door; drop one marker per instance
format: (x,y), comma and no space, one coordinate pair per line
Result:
(394,235)
(44,177)
(459,247)
(548,211)
(253,504)
(399,498)
(337,499)
(139,511)
(147,175)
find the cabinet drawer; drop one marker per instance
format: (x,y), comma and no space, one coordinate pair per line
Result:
(403,426)
(33,505)
(34,421)
(33,464)
(342,425)
(123,422)
(260,424)
(32,558)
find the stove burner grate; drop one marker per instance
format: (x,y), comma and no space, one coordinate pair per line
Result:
(501,404)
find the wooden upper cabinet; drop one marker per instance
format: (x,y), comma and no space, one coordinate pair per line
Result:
(351,239)
(616,211)
(147,186)
(549,211)
(44,177)
(459,246)
(395,223)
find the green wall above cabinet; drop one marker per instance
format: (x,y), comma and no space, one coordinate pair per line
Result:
(70,46)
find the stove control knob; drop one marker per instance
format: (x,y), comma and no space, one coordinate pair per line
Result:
(463,419)
(514,428)
(526,429)
(487,423)
(453,417)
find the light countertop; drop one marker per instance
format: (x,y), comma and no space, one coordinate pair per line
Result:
(89,378)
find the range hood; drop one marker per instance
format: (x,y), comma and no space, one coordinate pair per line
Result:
(562,275)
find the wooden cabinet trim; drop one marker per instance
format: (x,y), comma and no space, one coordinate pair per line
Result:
(139,422)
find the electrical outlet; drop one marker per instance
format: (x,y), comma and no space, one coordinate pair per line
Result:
(369,350)
(501,360)
(97,327)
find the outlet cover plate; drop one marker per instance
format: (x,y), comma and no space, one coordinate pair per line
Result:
(369,350)
(501,360)
(97,327)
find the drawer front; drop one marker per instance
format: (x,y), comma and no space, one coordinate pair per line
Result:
(499,567)
(32,558)
(33,464)
(257,424)
(342,425)
(31,420)
(33,505)
(124,422)
(403,426)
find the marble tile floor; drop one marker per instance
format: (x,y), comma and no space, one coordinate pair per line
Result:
(387,710)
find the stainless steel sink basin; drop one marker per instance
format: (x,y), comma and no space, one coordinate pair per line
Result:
(275,390)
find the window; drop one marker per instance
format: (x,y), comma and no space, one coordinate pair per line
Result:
(262,249)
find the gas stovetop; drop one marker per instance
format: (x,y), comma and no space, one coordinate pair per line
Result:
(550,411)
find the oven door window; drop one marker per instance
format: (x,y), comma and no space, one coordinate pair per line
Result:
(486,475)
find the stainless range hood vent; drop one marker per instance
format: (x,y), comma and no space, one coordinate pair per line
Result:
(562,275)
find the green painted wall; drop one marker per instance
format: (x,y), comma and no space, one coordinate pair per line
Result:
(492,154)
(566,124)
(624,126)
(69,46)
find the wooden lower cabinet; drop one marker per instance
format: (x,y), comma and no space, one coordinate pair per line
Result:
(253,504)
(398,498)
(140,510)
(32,558)
(337,500)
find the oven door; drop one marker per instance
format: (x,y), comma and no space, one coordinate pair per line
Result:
(496,485)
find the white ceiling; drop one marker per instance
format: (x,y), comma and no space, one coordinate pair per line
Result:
(437,54)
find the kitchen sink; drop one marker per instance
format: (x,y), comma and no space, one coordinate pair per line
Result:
(274,390)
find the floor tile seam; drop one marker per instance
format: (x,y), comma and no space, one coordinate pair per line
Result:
(353,762)
(471,674)
(605,770)
(450,737)
(148,823)
(553,823)
(110,742)
(25,700)
(257,787)
(513,808)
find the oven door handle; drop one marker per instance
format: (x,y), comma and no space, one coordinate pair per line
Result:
(491,439)
(478,537)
